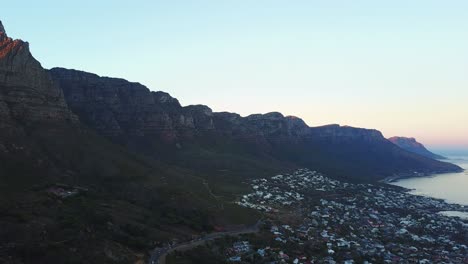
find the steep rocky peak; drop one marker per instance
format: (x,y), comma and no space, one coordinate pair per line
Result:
(2,29)
(412,145)
(27,92)
(164,98)
(273,115)
(3,34)
(267,116)
(228,115)
(10,46)
(406,142)
(296,121)
(203,109)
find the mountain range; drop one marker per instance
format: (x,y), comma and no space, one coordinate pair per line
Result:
(155,124)
(143,169)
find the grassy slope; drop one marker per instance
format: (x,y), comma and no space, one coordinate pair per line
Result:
(130,205)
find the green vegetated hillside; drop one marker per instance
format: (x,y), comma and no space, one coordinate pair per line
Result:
(123,201)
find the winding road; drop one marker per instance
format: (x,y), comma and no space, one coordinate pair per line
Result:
(158,256)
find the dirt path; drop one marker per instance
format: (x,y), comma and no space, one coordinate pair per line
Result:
(217,198)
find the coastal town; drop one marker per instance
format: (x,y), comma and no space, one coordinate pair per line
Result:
(310,218)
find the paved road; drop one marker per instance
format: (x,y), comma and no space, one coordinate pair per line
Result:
(158,256)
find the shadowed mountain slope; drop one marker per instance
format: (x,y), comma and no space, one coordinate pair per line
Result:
(195,137)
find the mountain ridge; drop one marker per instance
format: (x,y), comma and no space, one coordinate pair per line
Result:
(412,145)
(143,118)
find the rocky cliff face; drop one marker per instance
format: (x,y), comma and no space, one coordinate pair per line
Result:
(270,126)
(28,94)
(143,120)
(121,109)
(337,133)
(118,108)
(30,104)
(411,145)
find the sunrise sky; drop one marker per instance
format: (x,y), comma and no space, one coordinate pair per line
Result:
(399,66)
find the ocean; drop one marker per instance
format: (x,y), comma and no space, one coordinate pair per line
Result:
(452,187)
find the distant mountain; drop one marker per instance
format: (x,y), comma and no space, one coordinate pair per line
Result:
(411,145)
(195,137)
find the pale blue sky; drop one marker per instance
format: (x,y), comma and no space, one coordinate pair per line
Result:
(398,66)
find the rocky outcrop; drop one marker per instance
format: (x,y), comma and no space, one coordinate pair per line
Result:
(411,145)
(27,92)
(30,104)
(121,109)
(275,124)
(336,133)
(29,100)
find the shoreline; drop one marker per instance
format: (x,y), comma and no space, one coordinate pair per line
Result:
(392,180)
(395,178)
